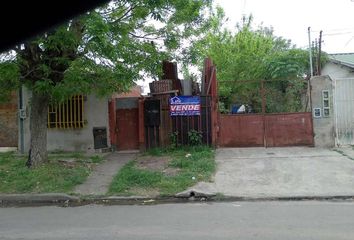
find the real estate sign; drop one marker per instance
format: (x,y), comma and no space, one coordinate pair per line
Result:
(185,106)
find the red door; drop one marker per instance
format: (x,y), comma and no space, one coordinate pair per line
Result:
(127,129)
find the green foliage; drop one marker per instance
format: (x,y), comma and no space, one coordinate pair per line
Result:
(105,50)
(249,55)
(174,139)
(9,76)
(194,164)
(194,138)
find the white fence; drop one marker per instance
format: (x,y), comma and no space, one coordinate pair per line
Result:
(344,110)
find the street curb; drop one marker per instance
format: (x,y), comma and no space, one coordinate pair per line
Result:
(283,198)
(65,200)
(40,199)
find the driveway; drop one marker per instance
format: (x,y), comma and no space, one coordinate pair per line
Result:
(281,172)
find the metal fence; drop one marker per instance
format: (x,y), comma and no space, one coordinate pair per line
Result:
(344,110)
(159,134)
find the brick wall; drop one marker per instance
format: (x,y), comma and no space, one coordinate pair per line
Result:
(8,123)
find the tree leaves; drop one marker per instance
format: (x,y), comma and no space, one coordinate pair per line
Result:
(9,75)
(106,50)
(246,57)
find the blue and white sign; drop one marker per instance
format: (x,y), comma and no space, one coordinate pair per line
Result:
(185,106)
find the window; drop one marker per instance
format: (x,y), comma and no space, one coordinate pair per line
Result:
(69,114)
(325,103)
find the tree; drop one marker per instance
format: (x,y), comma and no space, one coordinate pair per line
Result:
(101,52)
(247,56)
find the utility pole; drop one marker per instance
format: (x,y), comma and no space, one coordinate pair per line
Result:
(319,54)
(310,52)
(311,71)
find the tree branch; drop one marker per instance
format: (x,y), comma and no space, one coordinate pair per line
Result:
(130,9)
(145,36)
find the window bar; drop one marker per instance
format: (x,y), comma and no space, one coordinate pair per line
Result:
(56,116)
(48,117)
(67,113)
(59,116)
(63,115)
(78,120)
(75,113)
(82,110)
(71,111)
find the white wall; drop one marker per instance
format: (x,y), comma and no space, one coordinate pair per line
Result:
(343,81)
(324,127)
(81,139)
(334,71)
(96,114)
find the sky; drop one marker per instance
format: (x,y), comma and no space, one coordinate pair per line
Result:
(291,19)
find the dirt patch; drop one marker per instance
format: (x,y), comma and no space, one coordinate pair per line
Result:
(157,163)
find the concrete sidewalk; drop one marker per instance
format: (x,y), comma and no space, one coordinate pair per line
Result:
(100,179)
(244,173)
(280,172)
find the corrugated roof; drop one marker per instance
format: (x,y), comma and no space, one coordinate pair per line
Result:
(346,59)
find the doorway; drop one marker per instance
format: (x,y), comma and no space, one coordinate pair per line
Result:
(127,124)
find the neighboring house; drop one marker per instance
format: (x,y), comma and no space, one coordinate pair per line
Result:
(333,101)
(82,123)
(9,123)
(339,66)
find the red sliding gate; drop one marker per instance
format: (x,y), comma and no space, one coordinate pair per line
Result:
(270,130)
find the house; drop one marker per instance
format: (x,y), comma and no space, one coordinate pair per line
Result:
(82,123)
(9,123)
(79,124)
(333,102)
(340,65)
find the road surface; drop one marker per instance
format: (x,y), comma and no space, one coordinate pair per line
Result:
(229,220)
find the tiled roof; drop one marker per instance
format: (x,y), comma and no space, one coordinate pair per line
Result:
(346,59)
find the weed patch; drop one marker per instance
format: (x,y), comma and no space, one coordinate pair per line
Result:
(190,164)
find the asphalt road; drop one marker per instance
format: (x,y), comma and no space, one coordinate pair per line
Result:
(237,220)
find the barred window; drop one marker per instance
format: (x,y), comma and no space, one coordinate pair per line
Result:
(69,114)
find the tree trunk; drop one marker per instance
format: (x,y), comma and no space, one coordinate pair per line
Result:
(38,127)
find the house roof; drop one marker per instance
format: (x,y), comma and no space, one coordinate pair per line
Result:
(346,59)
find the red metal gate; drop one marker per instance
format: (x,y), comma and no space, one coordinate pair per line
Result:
(270,130)
(127,129)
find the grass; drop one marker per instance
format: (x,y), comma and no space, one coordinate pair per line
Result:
(199,166)
(63,172)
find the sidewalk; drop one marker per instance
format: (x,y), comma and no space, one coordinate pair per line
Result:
(100,179)
(346,151)
(290,172)
(300,173)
